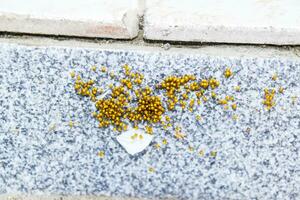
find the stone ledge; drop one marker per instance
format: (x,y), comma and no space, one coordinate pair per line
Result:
(89,18)
(59,159)
(232,21)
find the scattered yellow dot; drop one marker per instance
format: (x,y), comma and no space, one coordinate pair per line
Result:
(93,68)
(213,154)
(111,74)
(198,117)
(248,130)
(151,169)
(199,94)
(234,106)
(179,135)
(141,137)
(227,73)
(294,99)
(191,149)
(157,146)
(274,77)
(229,98)
(72,74)
(223,101)
(138,81)
(237,88)
(103,69)
(185,96)
(198,101)
(101,154)
(125,127)
(149,130)
(135,135)
(201,153)
(135,127)
(71,124)
(235,117)
(281,90)
(100,90)
(213,95)
(165,141)
(167,118)
(51,127)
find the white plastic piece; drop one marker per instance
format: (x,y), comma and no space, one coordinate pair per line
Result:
(134,141)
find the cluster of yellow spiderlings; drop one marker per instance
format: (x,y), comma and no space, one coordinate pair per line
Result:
(86,89)
(110,111)
(269,94)
(172,86)
(149,109)
(116,108)
(269,98)
(130,102)
(227,73)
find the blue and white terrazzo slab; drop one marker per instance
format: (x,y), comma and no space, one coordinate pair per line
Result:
(257,154)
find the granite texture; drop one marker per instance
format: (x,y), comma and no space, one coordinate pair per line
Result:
(40,153)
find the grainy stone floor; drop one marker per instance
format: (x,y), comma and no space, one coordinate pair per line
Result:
(257,151)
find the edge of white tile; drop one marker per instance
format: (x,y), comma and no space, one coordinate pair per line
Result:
(123,23)
(231,21)
(224,34)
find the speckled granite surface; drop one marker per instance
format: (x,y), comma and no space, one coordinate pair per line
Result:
(257,154)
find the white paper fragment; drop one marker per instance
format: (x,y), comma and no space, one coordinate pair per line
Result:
(134,141)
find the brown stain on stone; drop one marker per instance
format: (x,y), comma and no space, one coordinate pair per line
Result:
(106,30)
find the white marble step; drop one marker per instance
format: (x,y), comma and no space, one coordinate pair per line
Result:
(89,18)
(231,21)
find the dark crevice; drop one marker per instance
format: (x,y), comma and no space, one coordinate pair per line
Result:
(140,40)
